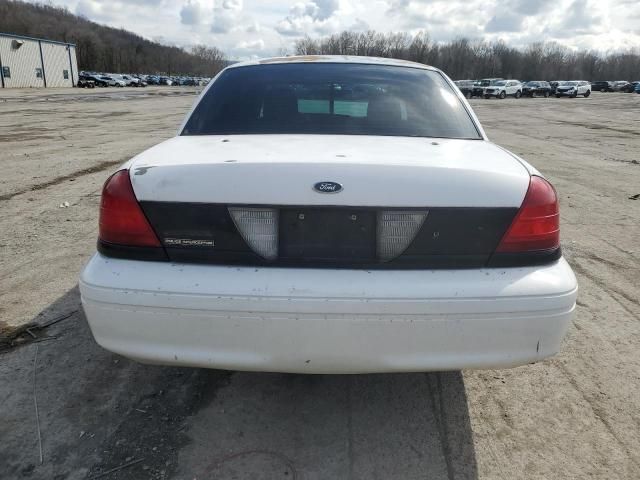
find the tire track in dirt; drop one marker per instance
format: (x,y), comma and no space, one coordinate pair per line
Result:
(607,289)
(598,412)
(58,180)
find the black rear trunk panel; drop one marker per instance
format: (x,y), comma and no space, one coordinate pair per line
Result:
(336,237)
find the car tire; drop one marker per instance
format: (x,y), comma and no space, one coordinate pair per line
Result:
(503,95)
(518,94)
(587,93)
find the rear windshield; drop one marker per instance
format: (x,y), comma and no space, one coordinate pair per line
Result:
(329,98)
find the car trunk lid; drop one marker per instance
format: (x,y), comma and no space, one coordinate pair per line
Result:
(373,171)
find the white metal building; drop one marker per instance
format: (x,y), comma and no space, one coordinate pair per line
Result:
(32,62)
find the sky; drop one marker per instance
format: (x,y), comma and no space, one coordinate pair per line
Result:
(250,28)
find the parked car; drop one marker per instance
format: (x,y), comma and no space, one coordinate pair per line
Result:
(480,85)
(99,81)
(123,80)
(85,81)
(573,88)
(112,81)
(465,87)
(129,80)
(140,82)
(531,89)
(165,81)
(637,86)
(623,86)
(503,89)
(153,80)
(602,86)
(383,261)
(629,88)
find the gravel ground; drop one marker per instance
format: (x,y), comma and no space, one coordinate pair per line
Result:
(574,416)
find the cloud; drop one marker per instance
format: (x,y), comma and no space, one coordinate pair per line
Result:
(505,22)
(253,27)
(93,10)
(232,4)
(359,25)
(229,24)
(325,8)
(531,7)
(581,18)
(192,13)
(226,16)
(314,16)
(251,45)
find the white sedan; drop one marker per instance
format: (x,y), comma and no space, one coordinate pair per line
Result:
(329,215)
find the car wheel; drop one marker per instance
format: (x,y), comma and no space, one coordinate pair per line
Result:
(587,93)
(503,95)
(518,94)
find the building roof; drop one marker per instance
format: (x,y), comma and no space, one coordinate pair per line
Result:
(333,59)
(23,37)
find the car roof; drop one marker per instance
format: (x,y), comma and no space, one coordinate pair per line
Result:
(333,59)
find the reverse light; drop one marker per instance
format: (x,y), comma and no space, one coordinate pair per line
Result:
(396,231)
(259,228)
(122,221)
(537,224)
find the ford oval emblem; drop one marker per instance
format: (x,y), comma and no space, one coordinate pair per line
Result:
(327,187)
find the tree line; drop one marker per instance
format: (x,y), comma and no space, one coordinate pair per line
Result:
(471,59)
(105,49)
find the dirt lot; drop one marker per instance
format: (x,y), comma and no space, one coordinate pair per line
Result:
(574,416)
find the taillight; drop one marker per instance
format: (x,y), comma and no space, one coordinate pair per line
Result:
(537,224)
(122,221)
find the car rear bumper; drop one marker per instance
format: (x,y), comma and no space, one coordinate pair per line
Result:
(327,321)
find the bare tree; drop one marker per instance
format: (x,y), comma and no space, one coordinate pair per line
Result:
(213,58)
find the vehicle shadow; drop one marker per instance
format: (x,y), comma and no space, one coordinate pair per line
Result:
(99,411)
(333,426)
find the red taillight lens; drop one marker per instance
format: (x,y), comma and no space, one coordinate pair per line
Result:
(537,223)
(121,219)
